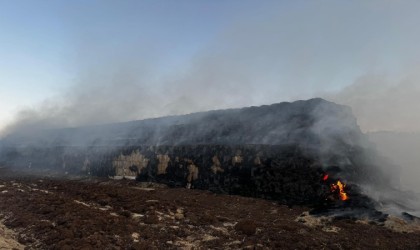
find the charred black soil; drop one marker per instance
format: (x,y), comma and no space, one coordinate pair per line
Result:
(63,213)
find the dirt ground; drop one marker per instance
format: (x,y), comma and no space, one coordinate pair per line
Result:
(8,239)
(65,213)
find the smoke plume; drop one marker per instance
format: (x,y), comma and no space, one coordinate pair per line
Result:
(381,104)
(265,54)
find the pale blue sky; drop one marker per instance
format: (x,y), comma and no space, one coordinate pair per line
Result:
(41,41)
(256,51)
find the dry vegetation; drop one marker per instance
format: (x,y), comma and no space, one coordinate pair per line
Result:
(54,213)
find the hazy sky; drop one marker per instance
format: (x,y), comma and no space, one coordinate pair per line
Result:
(70,63)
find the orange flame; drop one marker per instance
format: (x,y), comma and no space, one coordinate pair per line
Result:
(340,188)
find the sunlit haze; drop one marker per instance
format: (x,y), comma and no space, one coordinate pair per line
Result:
(88,62)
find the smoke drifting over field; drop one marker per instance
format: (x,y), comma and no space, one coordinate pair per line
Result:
(388,110)
(378,104)
(383,105)
(264,55)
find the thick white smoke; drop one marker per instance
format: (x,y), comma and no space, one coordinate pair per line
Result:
(388,110)
(266,54)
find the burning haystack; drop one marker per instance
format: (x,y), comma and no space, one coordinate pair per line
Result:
(305,152)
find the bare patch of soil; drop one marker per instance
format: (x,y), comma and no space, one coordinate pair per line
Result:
(8,239)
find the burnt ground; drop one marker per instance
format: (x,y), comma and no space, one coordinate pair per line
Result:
(65,213)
